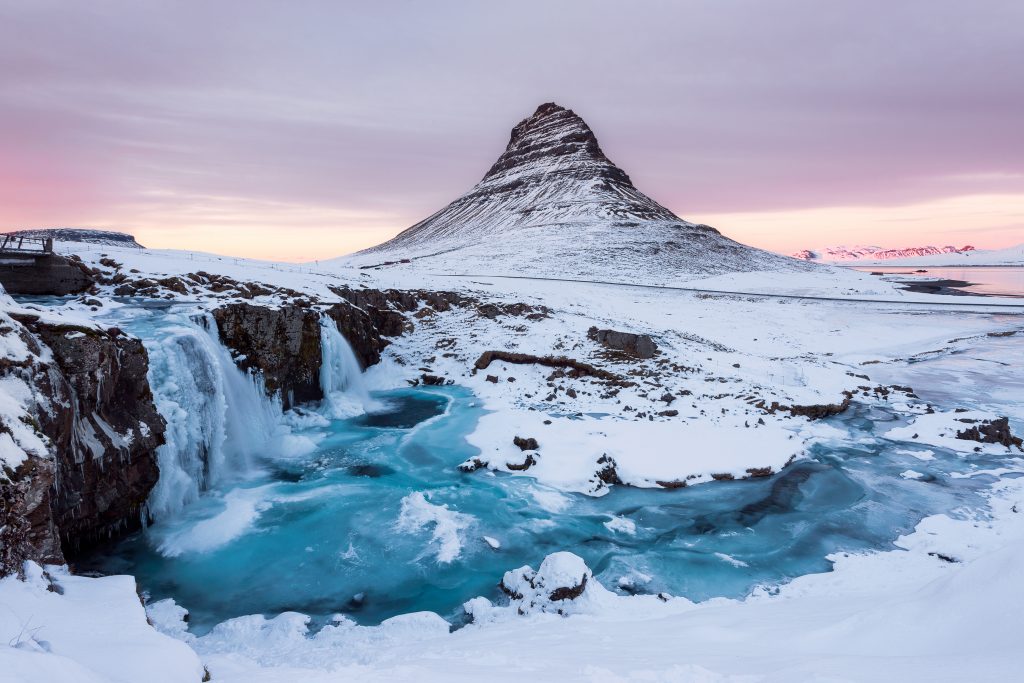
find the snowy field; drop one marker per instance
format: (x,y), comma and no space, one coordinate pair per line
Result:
(940,603)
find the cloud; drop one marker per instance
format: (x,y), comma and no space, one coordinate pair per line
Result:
(392,109)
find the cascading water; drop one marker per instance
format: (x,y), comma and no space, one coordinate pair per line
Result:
(218,417)
(341,378)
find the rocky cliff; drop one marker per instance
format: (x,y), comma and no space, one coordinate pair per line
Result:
(281,344)
(80,433)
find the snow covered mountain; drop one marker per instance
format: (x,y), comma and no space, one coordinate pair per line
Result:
(1010,256)
(553,205)
(86,235)
(862,253)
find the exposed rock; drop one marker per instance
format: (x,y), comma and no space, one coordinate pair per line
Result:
(367,326)
(992,431)
(472,465)
(529,460)
(433,380)
(577,368)
(811,412)
(281,344)
(27,529)
(636,345)
(562,585)
(92,430)
(754,472)
(104,428)
(526,444)
(608,474)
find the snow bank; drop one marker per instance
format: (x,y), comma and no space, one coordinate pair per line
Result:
(575,451)
(940,429)
(57,628)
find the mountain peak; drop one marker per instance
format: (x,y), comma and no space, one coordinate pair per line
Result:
(555,138)
(554,205)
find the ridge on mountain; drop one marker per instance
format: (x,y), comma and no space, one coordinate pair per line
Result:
(554,205)
(87,235)
(864,252)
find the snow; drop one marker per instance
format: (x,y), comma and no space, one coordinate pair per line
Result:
(644,452)
(903,614)
(550,193)
(872,253)
(940,429)
(92,629)
(1010,256)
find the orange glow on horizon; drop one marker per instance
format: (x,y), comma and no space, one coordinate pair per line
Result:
(279,231)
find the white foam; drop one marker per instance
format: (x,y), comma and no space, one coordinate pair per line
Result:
(448,525)
(242,507)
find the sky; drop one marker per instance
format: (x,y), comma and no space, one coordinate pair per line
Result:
(308,129)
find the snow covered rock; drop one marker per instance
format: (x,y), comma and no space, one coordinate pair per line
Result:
(965,431)
(639,345)
(75,409)
(564,584)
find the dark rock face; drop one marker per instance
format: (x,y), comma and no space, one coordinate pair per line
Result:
(47,274)
(27,530)
(636,345)
(94,415)
(106,438)
(994,431)
(576,368)
(281,344)
(526,444)
(811,412)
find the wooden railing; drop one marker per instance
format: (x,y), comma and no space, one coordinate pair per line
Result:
(19,244)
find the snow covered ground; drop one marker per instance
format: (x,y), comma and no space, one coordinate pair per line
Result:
(724,358)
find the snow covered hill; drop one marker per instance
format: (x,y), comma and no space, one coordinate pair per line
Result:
(553,205)
(82,235)
(863,252)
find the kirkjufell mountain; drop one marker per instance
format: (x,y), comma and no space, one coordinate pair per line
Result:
(553,205)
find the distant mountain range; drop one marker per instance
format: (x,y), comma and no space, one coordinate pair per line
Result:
(553,205)
(87,235)
(869,253)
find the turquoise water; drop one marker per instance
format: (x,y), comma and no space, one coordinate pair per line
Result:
(345,529)
(369,515)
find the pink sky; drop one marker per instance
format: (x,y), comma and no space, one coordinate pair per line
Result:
(301,131)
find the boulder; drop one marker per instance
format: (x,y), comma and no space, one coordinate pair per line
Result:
(563,585)
(636,345)
(992,431)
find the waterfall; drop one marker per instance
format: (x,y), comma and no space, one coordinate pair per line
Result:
(341,377)
(218,417)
